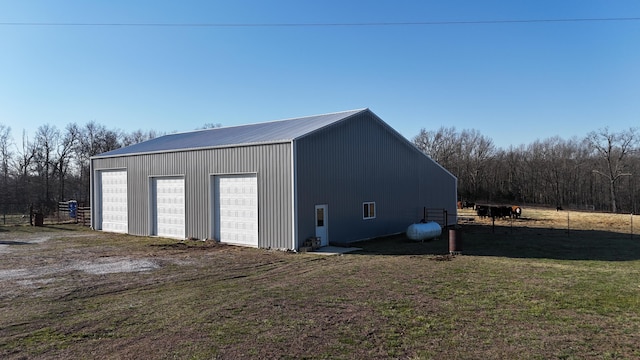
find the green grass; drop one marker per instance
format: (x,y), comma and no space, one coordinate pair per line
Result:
(526,294)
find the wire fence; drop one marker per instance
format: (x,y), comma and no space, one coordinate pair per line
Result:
(572,223)
(27,214)
(14,214)
(439,215)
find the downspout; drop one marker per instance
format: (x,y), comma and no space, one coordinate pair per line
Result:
(91,194)
(294,197)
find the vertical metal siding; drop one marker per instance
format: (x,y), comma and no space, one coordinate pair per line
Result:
(271,163)
(361,160)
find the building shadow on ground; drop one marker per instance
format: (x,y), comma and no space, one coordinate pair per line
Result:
(516,242)
(10,242)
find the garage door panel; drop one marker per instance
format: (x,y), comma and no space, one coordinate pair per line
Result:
(237,209)
(114,212)
(169,207)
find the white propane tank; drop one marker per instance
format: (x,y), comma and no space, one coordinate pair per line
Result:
(424,231)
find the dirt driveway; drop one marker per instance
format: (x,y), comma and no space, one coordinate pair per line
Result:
(27,258)
(35,257)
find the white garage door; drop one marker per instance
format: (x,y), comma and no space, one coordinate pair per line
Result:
(113,201)
(236,209)
(169,207)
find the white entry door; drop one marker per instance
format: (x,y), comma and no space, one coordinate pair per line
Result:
(235,213)
(113,201)
(322,224)
(169,213)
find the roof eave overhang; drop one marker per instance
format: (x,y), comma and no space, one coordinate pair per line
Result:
(285,141)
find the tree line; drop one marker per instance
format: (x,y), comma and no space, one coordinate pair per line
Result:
(597,172)
(54,165)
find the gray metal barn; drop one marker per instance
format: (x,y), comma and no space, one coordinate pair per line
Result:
(343,177)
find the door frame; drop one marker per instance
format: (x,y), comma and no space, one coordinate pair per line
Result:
(324,240)
(153,198)
(214,205)
(99,206)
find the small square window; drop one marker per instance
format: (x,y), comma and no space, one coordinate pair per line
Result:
(319,217)
(369,210)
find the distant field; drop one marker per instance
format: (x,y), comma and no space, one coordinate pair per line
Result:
(524,289)
(576,220)
(12,219)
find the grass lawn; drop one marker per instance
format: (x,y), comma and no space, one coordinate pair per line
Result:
(527,289)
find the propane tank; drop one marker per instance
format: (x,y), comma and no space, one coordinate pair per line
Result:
(424,231)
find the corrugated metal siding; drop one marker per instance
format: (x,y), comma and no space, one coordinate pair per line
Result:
(362,160)
(271,163)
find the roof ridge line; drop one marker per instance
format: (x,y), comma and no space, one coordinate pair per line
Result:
(269,121)
(294,118)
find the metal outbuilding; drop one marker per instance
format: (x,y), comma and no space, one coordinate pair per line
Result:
(342,177)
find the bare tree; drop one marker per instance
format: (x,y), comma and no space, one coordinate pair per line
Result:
(476,150)
(210,126)
(63,156)
(612,150)
(513,172)
(47,138)
(465,154)
(507,177)
(5,157)
(139,136)
(443,145)
(22,166)
(93,139)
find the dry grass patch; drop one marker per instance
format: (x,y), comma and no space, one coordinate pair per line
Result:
(565,219)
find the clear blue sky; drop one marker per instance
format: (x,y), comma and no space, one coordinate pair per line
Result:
(513,82)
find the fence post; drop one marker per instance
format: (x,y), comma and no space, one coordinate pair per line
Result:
(446,218)
(511,223)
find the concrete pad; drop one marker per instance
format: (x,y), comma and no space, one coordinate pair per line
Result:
(334,250)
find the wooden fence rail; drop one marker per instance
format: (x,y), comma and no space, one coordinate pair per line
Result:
(82,214)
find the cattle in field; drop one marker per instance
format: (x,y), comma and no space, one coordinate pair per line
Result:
(468,204)
(464,204)
(482,211)
(500,212)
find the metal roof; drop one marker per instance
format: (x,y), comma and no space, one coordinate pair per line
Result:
(260,133)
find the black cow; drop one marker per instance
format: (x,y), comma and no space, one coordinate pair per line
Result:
(468,204)
(482,211)
(500,211)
